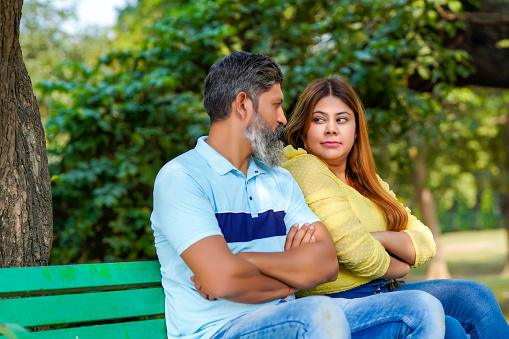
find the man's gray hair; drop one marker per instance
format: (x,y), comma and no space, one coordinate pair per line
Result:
(246,72)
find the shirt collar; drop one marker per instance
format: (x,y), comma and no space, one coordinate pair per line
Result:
(215,160)
(221,165)
(255,168)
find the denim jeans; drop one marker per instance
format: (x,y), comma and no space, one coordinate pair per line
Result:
(471,308)
(405,314)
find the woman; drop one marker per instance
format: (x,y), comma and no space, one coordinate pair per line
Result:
(377,239)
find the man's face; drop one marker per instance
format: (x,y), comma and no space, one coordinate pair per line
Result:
(269,106)
(267,126)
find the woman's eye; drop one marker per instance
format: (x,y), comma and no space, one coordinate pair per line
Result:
(317,119)
(342,120)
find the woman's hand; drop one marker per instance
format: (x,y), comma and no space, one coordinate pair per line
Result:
(299,236)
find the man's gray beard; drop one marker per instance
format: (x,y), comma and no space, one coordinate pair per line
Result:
(265,143)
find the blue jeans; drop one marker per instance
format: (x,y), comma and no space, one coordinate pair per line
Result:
(471,308)
(405,314)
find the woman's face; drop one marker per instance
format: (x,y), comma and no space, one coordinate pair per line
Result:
(331,132)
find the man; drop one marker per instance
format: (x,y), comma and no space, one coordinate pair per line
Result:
(227,232)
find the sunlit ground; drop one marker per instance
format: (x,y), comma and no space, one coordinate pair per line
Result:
(478,256)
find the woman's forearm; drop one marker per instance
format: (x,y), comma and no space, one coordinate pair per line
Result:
(397,269)
(397,243)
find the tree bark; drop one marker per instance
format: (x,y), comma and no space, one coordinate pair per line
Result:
(505,206)
(437,268)
(26,219)
(505,195)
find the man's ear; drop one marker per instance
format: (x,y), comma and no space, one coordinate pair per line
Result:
(241,105)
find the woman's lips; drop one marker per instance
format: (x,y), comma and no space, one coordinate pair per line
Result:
(331,143)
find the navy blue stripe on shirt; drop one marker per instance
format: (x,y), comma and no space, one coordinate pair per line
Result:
(242,227)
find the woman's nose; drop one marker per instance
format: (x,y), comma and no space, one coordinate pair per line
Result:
(331,129)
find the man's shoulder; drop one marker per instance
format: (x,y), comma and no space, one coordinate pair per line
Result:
(187,165)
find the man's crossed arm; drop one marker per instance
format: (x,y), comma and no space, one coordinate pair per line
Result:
(309,259)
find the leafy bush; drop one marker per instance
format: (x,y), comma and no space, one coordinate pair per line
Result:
(115,124)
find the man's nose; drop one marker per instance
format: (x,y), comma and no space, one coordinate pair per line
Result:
(281,119)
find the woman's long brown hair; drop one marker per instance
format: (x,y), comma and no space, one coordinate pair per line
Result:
(360,168)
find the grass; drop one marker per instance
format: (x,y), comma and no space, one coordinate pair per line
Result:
(475,255)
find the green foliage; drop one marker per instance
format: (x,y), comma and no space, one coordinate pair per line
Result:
(117,122)
(461,216)
(133,20)
(108,145)
(46,44)
(472,175)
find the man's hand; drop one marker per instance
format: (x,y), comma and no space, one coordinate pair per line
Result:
(200,289)
(299,236)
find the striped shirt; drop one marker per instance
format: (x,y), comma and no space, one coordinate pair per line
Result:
(201,194)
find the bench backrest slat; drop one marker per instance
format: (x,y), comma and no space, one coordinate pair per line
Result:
(146,329)
(53,279)
(83,307)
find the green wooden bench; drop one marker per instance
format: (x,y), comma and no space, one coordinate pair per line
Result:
(118,300)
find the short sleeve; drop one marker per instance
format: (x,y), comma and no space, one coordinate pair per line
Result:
(182,211)
(421,235)
(356,249)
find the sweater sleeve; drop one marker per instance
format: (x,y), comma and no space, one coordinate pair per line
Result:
(356,249)
(421,235)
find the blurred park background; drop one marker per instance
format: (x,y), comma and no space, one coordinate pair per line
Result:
(118,101)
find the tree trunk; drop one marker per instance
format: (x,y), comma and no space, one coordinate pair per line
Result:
(26,219)
(505,195)
(437,268)
(505,271)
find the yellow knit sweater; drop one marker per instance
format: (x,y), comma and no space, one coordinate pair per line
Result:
(350,217)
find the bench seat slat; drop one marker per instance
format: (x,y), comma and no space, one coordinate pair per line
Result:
(75,308)
(38,280)
(146,329)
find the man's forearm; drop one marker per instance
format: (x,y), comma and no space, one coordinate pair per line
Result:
(259,290)
(248,285)
(220,274)
(304,267)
